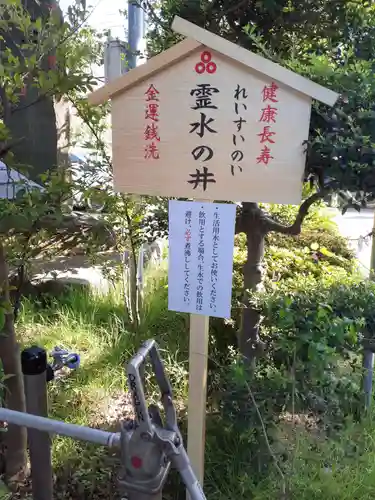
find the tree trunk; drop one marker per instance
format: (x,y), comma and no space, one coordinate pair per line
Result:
(35,146)
(133,289)
(256,224)
(251,224)
(15,437)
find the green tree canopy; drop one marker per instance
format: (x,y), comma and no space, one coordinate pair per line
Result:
(328,42)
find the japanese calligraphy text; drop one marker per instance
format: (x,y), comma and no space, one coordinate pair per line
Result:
(203,152)
(267,118)
(240,95)
(151,131)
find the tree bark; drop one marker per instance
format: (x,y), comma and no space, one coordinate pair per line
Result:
(251,224)
(255,223)
(15,438)
(133,290)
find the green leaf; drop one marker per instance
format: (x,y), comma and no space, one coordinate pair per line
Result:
(326,252)
(38,24)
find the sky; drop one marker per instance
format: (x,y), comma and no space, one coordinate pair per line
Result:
(105,15)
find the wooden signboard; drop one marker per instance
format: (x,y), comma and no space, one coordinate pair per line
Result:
(195,122)
(213,129)
(209,120)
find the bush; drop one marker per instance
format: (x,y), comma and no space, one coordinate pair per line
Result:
(318,252)
(314,329)
(315,469)
(316,311)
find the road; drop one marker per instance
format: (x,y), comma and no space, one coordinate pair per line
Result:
(353,225)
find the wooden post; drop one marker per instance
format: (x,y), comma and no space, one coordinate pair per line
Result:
(34,368)
(198,355)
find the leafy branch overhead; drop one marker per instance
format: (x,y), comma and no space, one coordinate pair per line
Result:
(41,52)
(44,57)
(329,43)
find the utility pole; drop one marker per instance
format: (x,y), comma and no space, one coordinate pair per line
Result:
(119,56)
(136,32)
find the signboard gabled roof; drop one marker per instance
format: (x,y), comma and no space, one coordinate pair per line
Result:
(154,65)
(196,37)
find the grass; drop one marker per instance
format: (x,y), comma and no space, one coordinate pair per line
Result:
(342,469)
(95,326)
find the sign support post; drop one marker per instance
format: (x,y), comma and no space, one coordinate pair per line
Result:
(201,241)
(198,357)
(198,354)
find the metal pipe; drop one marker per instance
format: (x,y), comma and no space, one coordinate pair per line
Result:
(110,439)
(136,26)
(137,495)
(182,463)
(34,369)
(368,367)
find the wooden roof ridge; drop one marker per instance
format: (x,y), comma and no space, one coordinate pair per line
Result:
(151,67)
(198,37)
(255,61)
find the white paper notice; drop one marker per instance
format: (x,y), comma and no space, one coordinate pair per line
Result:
(201,243)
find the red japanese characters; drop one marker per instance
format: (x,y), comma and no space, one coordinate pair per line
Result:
(268,117)
(151,131)
(206,64)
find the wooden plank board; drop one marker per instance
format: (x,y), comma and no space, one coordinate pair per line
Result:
(235,110)
(198,356)
(254,61)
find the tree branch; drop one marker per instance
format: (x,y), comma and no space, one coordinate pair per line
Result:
(146,6)
(295,228)
(67,224)
(86,119)
(6,148)
(234,8)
